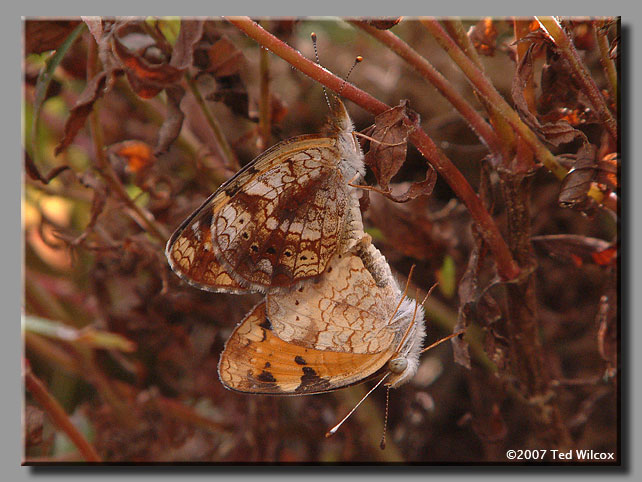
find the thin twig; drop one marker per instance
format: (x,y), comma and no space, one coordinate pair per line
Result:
(428,72)
(229,158)
(58,416)
(265,108)
(104,167)
(483,85)
(566,48)
(608,65)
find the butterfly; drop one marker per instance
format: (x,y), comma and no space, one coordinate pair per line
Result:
(351,324)
(280,219)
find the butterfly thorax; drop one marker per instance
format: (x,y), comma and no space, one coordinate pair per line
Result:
(341,127)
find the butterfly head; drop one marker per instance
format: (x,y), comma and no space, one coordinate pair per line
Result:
(403,365)
(342,129)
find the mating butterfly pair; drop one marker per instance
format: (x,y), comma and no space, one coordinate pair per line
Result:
(288,224)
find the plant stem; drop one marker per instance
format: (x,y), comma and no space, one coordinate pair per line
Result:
(502,128)
(506,266)
(58,416)
(608,65)
(264,101)
(483,85)
(229,159)
(566,48)
(105,169)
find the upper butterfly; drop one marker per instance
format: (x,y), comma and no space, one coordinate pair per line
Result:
(280,219)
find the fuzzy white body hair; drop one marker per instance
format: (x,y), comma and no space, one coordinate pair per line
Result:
(404,316)
(412,346)
(349,149)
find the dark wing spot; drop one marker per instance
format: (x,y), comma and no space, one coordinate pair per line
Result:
(296,302)
(288,253)
(266,377)
(311,382)
(206,218)
(271,250)
(232,189)
(267,364)
(330,269)
(303,257)
(254,247)
(301,289)
(245,235)
(299,360)
(267,324)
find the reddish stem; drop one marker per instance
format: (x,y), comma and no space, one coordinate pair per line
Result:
(506,266)
(428,72)
(59,417)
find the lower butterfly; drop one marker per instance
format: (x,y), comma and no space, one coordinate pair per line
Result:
(350,325)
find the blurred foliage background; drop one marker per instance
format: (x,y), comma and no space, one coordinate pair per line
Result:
(129,352)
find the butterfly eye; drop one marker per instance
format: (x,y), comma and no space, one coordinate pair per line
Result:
(397,365)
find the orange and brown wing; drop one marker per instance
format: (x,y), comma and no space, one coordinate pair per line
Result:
(255,360)
(277,222)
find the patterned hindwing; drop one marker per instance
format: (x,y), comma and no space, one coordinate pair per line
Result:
(191,255)
(278,221)
(284,224)
(255,360)
(344,311)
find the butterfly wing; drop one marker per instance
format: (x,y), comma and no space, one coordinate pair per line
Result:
(343,311)
(277,222)
(256,360)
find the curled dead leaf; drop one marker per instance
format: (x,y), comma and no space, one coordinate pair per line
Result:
(388,152)
(384,23)
(173,122)
(555,133)
(81,110)
(575,186)
(577,249)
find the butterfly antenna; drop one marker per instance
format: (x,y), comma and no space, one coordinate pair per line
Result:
(313,36)
(429,292)
(357,60)
(439,342)
(403,295)
(334,429)
(410,325)
(382,444)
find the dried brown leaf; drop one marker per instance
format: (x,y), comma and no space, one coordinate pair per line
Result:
(384,23)
(95,26)
(577,249)
(146,78)
(391,130)
(220,59)
(555,133)
(79,112)
(183,52)
(173,122)
(483,36)
(34,173)
(575,186)
(416,189)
